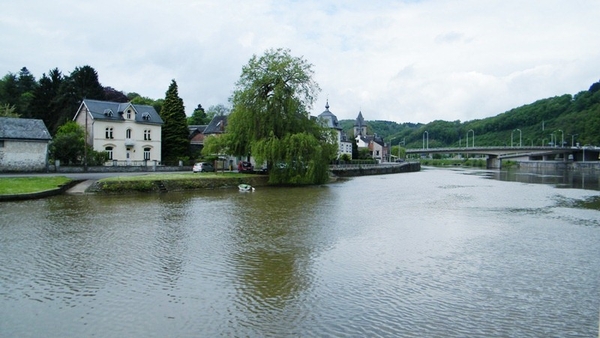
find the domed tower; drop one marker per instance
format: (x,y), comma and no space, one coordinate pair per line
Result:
(329,118)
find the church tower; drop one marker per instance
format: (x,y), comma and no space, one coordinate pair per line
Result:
(360,127)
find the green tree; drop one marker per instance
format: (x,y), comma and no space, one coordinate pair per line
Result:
(136,98)
(81,84)
(7,110)
(270,120)
(26,86)
(68,144)
(44,104)
(9,90)
(175,142)
(198,117)
(216,110)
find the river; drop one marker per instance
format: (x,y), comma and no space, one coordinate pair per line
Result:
(436,253)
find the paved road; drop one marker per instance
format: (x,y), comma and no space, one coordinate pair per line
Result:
(89,176)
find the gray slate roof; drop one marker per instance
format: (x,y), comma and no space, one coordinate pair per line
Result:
(106,110)
(329,118)
(23,129)
(216,125)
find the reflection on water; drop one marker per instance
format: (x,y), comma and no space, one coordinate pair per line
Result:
(434,253)
(578,179)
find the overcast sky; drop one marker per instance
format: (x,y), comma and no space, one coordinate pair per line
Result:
(402,61)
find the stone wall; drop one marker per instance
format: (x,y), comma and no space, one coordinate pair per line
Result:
(559,165)
(375,169)
(23,156)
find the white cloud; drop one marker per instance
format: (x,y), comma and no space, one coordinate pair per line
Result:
(404,61)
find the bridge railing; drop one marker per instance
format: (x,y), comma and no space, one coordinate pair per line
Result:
(491,148)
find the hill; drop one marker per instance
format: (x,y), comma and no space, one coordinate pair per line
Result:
(566,118)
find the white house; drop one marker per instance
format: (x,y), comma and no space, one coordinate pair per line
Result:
(23,144)
(331,121)
(374,143)
(129,133)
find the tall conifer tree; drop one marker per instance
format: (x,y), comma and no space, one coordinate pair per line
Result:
(175,142)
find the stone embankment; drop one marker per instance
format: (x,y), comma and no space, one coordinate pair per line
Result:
(349,170)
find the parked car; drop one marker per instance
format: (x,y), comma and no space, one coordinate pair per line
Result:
(203,167)
(245,166)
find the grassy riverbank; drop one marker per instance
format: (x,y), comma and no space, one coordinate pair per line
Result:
(176,182)
(29,185)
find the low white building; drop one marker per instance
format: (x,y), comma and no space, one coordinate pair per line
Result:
(23,144)
(374,143)
(129,133)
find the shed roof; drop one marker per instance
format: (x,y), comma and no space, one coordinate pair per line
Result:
(23,129)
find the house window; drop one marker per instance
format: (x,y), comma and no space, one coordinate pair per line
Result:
(109,151)
(128,133)
(129,114)
(109,132)
(147,135)
(146,154)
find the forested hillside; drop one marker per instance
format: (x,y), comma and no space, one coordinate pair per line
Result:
(567,118)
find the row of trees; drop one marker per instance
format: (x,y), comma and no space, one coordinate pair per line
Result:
(56,97)
(576,117)
(270,119)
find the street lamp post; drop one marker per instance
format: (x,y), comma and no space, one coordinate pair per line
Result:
(520,138)
(426,132)
(573,140)
(562,140)
(472,142)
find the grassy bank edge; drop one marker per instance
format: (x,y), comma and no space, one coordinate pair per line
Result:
(31,184)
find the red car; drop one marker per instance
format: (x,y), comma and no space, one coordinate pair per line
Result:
(245,166)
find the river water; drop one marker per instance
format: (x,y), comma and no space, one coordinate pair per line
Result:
(437,253)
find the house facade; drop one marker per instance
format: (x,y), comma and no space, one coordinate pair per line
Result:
(23,145)
(129,133)
(331,121)
(375,144)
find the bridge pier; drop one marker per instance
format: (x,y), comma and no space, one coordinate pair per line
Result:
(493,162)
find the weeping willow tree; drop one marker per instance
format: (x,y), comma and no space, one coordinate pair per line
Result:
(270,120)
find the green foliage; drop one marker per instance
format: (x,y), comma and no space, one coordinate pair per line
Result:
(576,119)
(198,117)
(271,121)
(68,144)
(175,143)
(7,110)
(45,100)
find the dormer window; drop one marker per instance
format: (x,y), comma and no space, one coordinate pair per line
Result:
(108,112)
(146,116)
(129,114)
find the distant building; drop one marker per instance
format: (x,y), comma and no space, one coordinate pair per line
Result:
(196,137)
(331,121)
(375,144)
(127,132)
(23,144)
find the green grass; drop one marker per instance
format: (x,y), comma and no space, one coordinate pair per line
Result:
(27,185)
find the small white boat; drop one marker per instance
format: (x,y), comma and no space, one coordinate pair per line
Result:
(245,187)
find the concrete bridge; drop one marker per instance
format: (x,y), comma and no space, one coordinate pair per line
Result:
(495,155)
